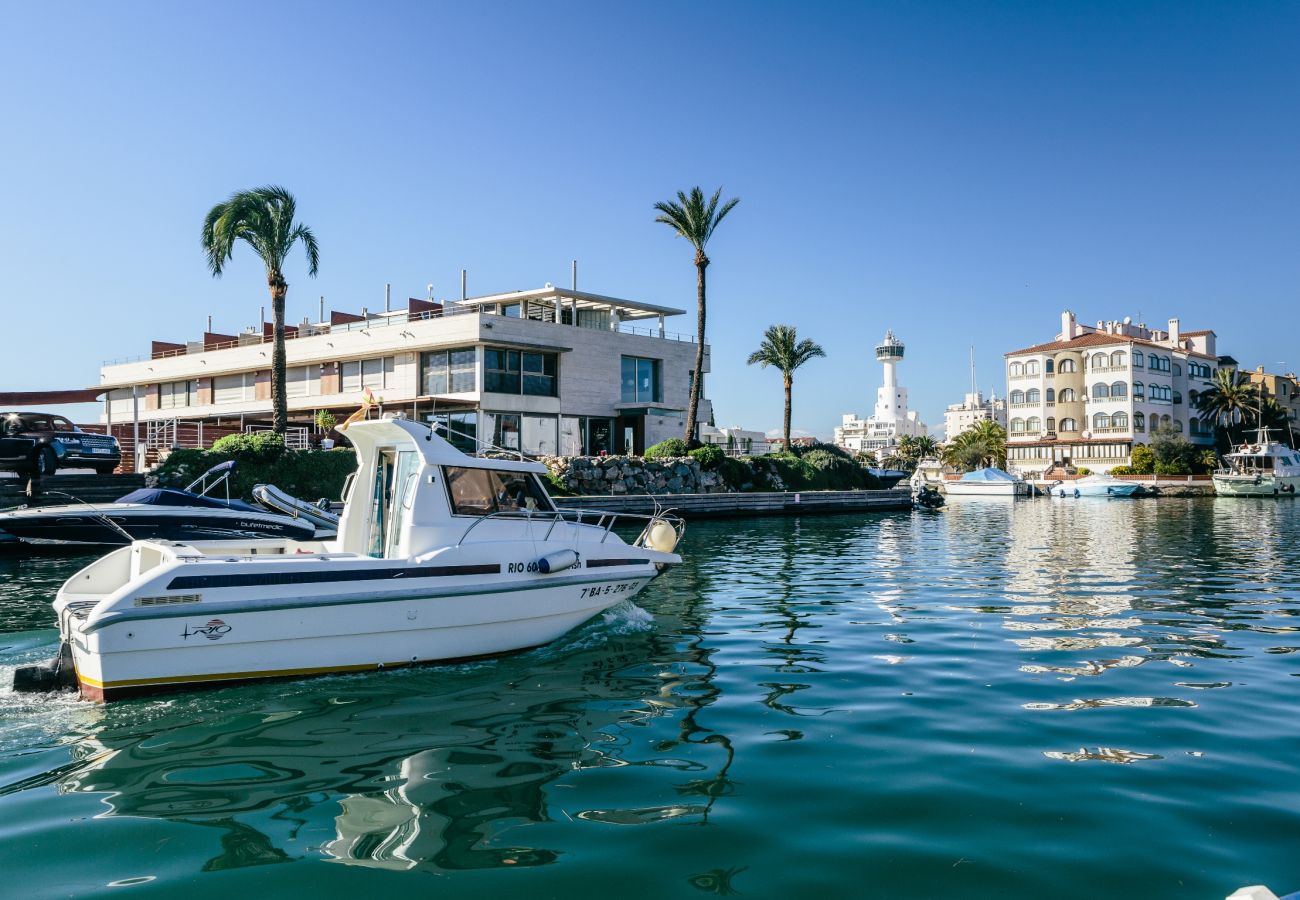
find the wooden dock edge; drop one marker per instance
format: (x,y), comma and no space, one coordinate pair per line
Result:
(721,506)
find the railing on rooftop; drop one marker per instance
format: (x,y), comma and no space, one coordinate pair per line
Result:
(382,321)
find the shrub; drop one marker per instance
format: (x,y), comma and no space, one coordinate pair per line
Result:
(803,450)
(1177,467)
(1124,470)
(673,447)
(555,485)
(1083,471)
(738,474)
(710,456)
(306,474)
(1144,460)
(256,446)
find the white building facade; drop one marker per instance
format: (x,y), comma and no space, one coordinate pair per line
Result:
(547,371)
(974,408)
(891,419)
(735,441)
(1088,397)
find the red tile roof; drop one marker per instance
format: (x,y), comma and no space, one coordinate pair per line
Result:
(1103,339)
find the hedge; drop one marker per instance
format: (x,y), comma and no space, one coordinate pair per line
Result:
(306,474)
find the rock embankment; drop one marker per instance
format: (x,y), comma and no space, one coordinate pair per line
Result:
(595,475)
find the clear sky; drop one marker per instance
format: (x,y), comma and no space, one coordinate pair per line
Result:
(958,172)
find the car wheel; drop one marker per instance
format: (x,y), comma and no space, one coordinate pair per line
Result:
(44,463)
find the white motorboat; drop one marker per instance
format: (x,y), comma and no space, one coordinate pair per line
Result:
(1264,468)
(1096,486)
(439,556)
(987,482)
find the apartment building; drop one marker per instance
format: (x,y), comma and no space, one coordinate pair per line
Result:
(1285,389)
(974,408)
(1088,396)
(542,371)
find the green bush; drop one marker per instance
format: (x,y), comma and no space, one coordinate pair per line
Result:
(1083,471)
(1124,470)
(671,448)
(1177,467)
(1144,460)
(803,450)
(738,474)
(306,474)
(255,446)
(555,485)
(710,456)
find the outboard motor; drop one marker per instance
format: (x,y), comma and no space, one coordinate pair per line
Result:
(928,498)
(55,675)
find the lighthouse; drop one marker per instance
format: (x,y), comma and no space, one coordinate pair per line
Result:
(892,419)
(891,399)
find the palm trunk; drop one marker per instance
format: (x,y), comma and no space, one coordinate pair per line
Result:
(279,401)
(789,383)
(697,382)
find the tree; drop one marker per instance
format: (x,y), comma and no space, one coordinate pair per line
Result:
(1143,460)
(263,218)
(1229,400)
(1174,454)
(984,444)
(782,349)
(695,219)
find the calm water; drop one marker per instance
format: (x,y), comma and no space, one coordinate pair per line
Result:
(1051,699)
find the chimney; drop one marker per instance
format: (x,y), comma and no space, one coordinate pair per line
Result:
(1173,332)
(1067,326)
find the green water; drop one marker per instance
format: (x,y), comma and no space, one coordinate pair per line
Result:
(1040,699)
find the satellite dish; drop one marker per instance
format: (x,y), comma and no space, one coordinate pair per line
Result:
(1128,320)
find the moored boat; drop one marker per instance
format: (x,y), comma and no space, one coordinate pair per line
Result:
(440,556)
(1264,468)
(986,482)
(1097,486)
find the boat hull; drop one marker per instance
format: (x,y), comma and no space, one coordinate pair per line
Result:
(985,489)
(63,525)
(180,649)
(1256,486)
(1122,489)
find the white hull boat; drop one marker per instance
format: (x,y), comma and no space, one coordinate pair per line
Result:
(1262,469)
(1096,486)
(440,557)
(988,482)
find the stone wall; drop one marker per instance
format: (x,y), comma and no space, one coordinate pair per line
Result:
(594,475)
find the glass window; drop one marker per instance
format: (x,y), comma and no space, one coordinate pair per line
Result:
(1098,360)
(1033,423)
(1051,424)
(640,380)
(1069,425)
(1017,396)
(1119,389)
(512,310)
(479,492)
(539,374)
(1100,391)
(1066,395)
(1119,420)
(501,372)
(1117,358)
(1101,420)
(505,434)
(1178,370)
(302,381)
(174,395)
(62,424)
(1047,366)
(1067,365)
(1031,367)
(460,429)
(1017,425)
(447,371)
(367,373)
(1017,369)
(1051,395)
(1032,395)
(1139,390)
(1137,359)
(1139,422)
(597,436)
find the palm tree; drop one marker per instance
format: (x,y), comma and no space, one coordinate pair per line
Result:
(782,349)
(695,219)
(263,219)
(984,444)
(1229,400)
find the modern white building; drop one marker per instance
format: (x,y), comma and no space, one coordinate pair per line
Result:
(542,371)
(1088,396)
(891,419)
(974,408)
(736,441)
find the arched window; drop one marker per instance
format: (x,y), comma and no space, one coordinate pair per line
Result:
(1066,366)
(1017,396)
(1117,358)
(1066,395)
(1017,369)
(1051,425)
(1100,391)
(1017,426)
(1047,366)
(1031,367)
(1191,397)
(1139,422)
(1034,424)
(1033,396)
(1051,395)
(1165,421)
(1119,389)
(1178,425)
(1099,360)
(1139,391)
(1178,370)
(1137,359)
(1101,420)
(1069,425)
(1119,420)
(1178,396)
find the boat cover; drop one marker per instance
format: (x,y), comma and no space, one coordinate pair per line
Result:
(176,497)
(989,474)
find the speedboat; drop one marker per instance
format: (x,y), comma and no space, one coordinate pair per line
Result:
(1096,486)
(439,556)
(170,514)
(1265,468)
(986,482)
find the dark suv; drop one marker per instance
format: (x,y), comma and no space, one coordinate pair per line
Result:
(35,443)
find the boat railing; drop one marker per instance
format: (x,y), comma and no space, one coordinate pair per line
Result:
(605,520)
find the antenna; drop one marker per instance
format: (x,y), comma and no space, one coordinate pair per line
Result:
(973,388)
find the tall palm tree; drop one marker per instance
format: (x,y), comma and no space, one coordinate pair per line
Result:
(782,349)
(984,444)
(1230,400)
(925,446)
(695,219)
(263,219)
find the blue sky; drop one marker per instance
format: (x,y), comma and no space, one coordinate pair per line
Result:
(957,172)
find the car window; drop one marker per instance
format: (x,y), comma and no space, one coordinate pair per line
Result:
(62,424)
(37,423)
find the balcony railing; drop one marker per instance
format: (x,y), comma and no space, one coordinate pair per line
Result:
(383,321)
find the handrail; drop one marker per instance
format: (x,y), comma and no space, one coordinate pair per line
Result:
(558,516)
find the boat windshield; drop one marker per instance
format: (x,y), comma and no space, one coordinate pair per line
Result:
(482,492)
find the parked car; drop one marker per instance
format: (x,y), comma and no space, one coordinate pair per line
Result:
(53,443)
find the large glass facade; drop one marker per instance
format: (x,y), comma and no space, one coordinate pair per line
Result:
(528,434)
(640,380)
(516,372)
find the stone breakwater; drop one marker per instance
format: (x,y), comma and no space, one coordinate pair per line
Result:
(633,475)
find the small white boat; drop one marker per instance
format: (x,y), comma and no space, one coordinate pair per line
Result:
(1096,486)
(987,482)
(439,556)
(1262,469)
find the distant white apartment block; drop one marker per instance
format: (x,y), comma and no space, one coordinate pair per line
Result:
(546,371)
(891,419)
(1091,394)
(974,408)
(735,441)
